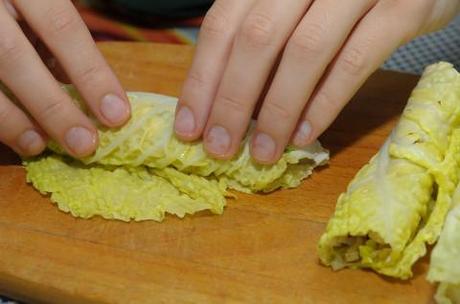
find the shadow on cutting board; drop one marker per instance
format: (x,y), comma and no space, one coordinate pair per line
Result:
(373,111)
(8,157)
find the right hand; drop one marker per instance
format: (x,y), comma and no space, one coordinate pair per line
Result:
(45,110)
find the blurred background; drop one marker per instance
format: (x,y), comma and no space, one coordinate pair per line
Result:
(178,21)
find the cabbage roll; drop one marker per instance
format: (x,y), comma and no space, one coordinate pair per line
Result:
(397,203)
(445,258)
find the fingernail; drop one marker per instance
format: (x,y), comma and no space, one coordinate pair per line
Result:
(264,147)
(80,140)
(302,134)
(185,122)
(114,109)
(218,140)
(31,142)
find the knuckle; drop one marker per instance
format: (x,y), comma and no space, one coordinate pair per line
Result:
(421,12)
(91,74)
(233,104)
(325,101)
(61,20)
(257,30)
(197,79)
(307,42)
(405,7)
(354,61)
(10,49)
(55,107)
(424,7)
(215,22)
(6,113)
(278,111)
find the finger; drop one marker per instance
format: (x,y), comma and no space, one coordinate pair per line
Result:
(23,72)
(17,131)
(45,54)
(60,27)
(213,48)
(308,52)
(51,63)
(11,9)
(388,25)
(254,53)
(440,14)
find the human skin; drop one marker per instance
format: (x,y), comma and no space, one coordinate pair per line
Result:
(45,111)
(319,53)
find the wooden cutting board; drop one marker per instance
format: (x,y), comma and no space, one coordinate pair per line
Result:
(262,250)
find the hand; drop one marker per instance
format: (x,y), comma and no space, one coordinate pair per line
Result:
(44,109)
(318,52)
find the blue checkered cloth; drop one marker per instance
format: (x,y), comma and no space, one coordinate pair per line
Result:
(413,57)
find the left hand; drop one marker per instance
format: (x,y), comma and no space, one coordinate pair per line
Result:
(321,52)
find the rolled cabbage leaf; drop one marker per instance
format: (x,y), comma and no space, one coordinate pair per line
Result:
(445,257)
(141,171)
(397,203)
(148,140)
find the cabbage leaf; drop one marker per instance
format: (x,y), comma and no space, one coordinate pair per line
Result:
(397,203)
(142,171)
(445,257)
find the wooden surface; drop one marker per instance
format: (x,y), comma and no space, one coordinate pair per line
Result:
(262,250)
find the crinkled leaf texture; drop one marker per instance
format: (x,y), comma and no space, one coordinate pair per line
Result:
(397,203)
(141,171)
(445,258)
(122,193)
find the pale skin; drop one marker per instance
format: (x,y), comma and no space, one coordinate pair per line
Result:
(309,57)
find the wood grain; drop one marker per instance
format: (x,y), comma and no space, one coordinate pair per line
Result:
(263,249)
